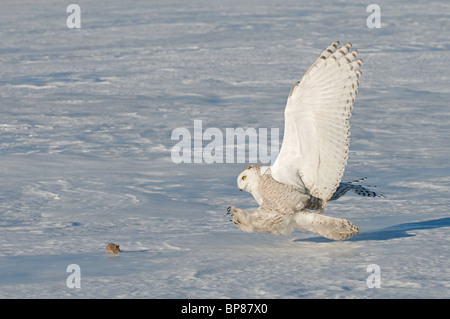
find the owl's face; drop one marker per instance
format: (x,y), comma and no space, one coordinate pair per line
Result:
(248,179)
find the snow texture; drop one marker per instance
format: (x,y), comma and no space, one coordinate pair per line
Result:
(86,118)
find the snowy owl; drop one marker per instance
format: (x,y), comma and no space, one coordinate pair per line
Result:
(293,192)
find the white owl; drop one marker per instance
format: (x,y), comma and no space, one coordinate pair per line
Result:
(308,170)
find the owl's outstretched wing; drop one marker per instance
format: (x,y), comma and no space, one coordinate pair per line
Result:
(316,135)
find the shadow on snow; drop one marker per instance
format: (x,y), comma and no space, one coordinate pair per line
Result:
(392,232)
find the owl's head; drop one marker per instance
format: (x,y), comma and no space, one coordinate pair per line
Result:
(248,179)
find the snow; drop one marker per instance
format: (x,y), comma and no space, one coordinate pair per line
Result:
(86,118)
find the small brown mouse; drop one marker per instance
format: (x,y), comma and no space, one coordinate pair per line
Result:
(112,249)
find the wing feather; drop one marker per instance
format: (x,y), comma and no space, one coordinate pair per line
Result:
(317,131)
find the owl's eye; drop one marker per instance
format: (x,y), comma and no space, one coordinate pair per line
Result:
(244,177)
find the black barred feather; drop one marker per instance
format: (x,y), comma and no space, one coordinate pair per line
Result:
(356,188)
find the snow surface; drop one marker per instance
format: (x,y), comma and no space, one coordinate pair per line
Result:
(85,139)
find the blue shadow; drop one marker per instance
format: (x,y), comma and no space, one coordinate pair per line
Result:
(392,232)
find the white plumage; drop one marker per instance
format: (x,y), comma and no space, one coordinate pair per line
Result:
(316,136)
(309,168)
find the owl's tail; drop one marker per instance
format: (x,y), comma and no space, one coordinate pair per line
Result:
(354,186)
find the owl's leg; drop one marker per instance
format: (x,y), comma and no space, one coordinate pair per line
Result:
(260,221)
(326,226)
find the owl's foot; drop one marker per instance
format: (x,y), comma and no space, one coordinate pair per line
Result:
(234,212)
(259,221)
(242,218)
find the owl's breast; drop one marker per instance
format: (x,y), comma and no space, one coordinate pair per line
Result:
(280,196)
